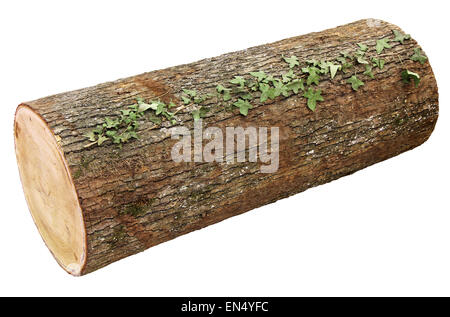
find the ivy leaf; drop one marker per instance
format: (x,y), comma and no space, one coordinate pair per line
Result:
(225,91)
(260,76)
(287,77)
(186,100)
(133,134)
(292,61)
(378,62)
(360,59)
(125,112)
(312,62)
(368,71)
(280,89)
(295,86)
(200,113)
(243,106)
(189,92)
(264,88)
(344,63)
(363,47)
(111,124)
(220,88)
(238,80)
(346,55)
(144,106)
(356,83)
(313,96)
(407,75)
(418,57)
(101,139)
(400,37)
(91,136)
(313,75)
(382,44)
(333,69)
(324,67)
(111,133)
(160,108)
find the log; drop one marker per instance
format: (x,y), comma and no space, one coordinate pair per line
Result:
(95,201)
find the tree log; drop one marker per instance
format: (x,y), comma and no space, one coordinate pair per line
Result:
(95,204)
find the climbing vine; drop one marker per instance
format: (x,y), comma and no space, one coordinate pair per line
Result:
(242,92)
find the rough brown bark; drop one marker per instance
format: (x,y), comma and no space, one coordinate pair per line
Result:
(348,131)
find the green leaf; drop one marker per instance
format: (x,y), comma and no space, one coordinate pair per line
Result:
(363,47)
(313,96)
(378,62)
(200,99)
(344,63)
(220,88)
(186,100)
(382,44)
(145,106)
(247,96)
(324,67)
(368,71)
(111,124)
(189,92)
(287,77)
(101,139)
(98,129)
(418,57)
(347,55)
(312,62)
(333,69)
(329,67)
(224,91)
(359,55)
(160,108)
(400,37)
(260,76)
(199,113)
(292,61)
(407,75)
(295,86)
(264,88)
(280,89)
(243,106)
(125,112)
(356,83)
(313,75)
(238,80)
(91,136)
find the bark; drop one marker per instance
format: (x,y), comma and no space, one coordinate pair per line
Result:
(348,131)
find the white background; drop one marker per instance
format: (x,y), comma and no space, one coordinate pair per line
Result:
(382,231)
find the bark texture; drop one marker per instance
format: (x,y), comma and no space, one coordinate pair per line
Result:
(348,131)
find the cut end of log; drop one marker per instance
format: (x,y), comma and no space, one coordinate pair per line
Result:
(49,190)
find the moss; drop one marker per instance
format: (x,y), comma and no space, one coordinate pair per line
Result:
(83,166)
(138,209)
(133,210)
(117,236)
(400,121)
